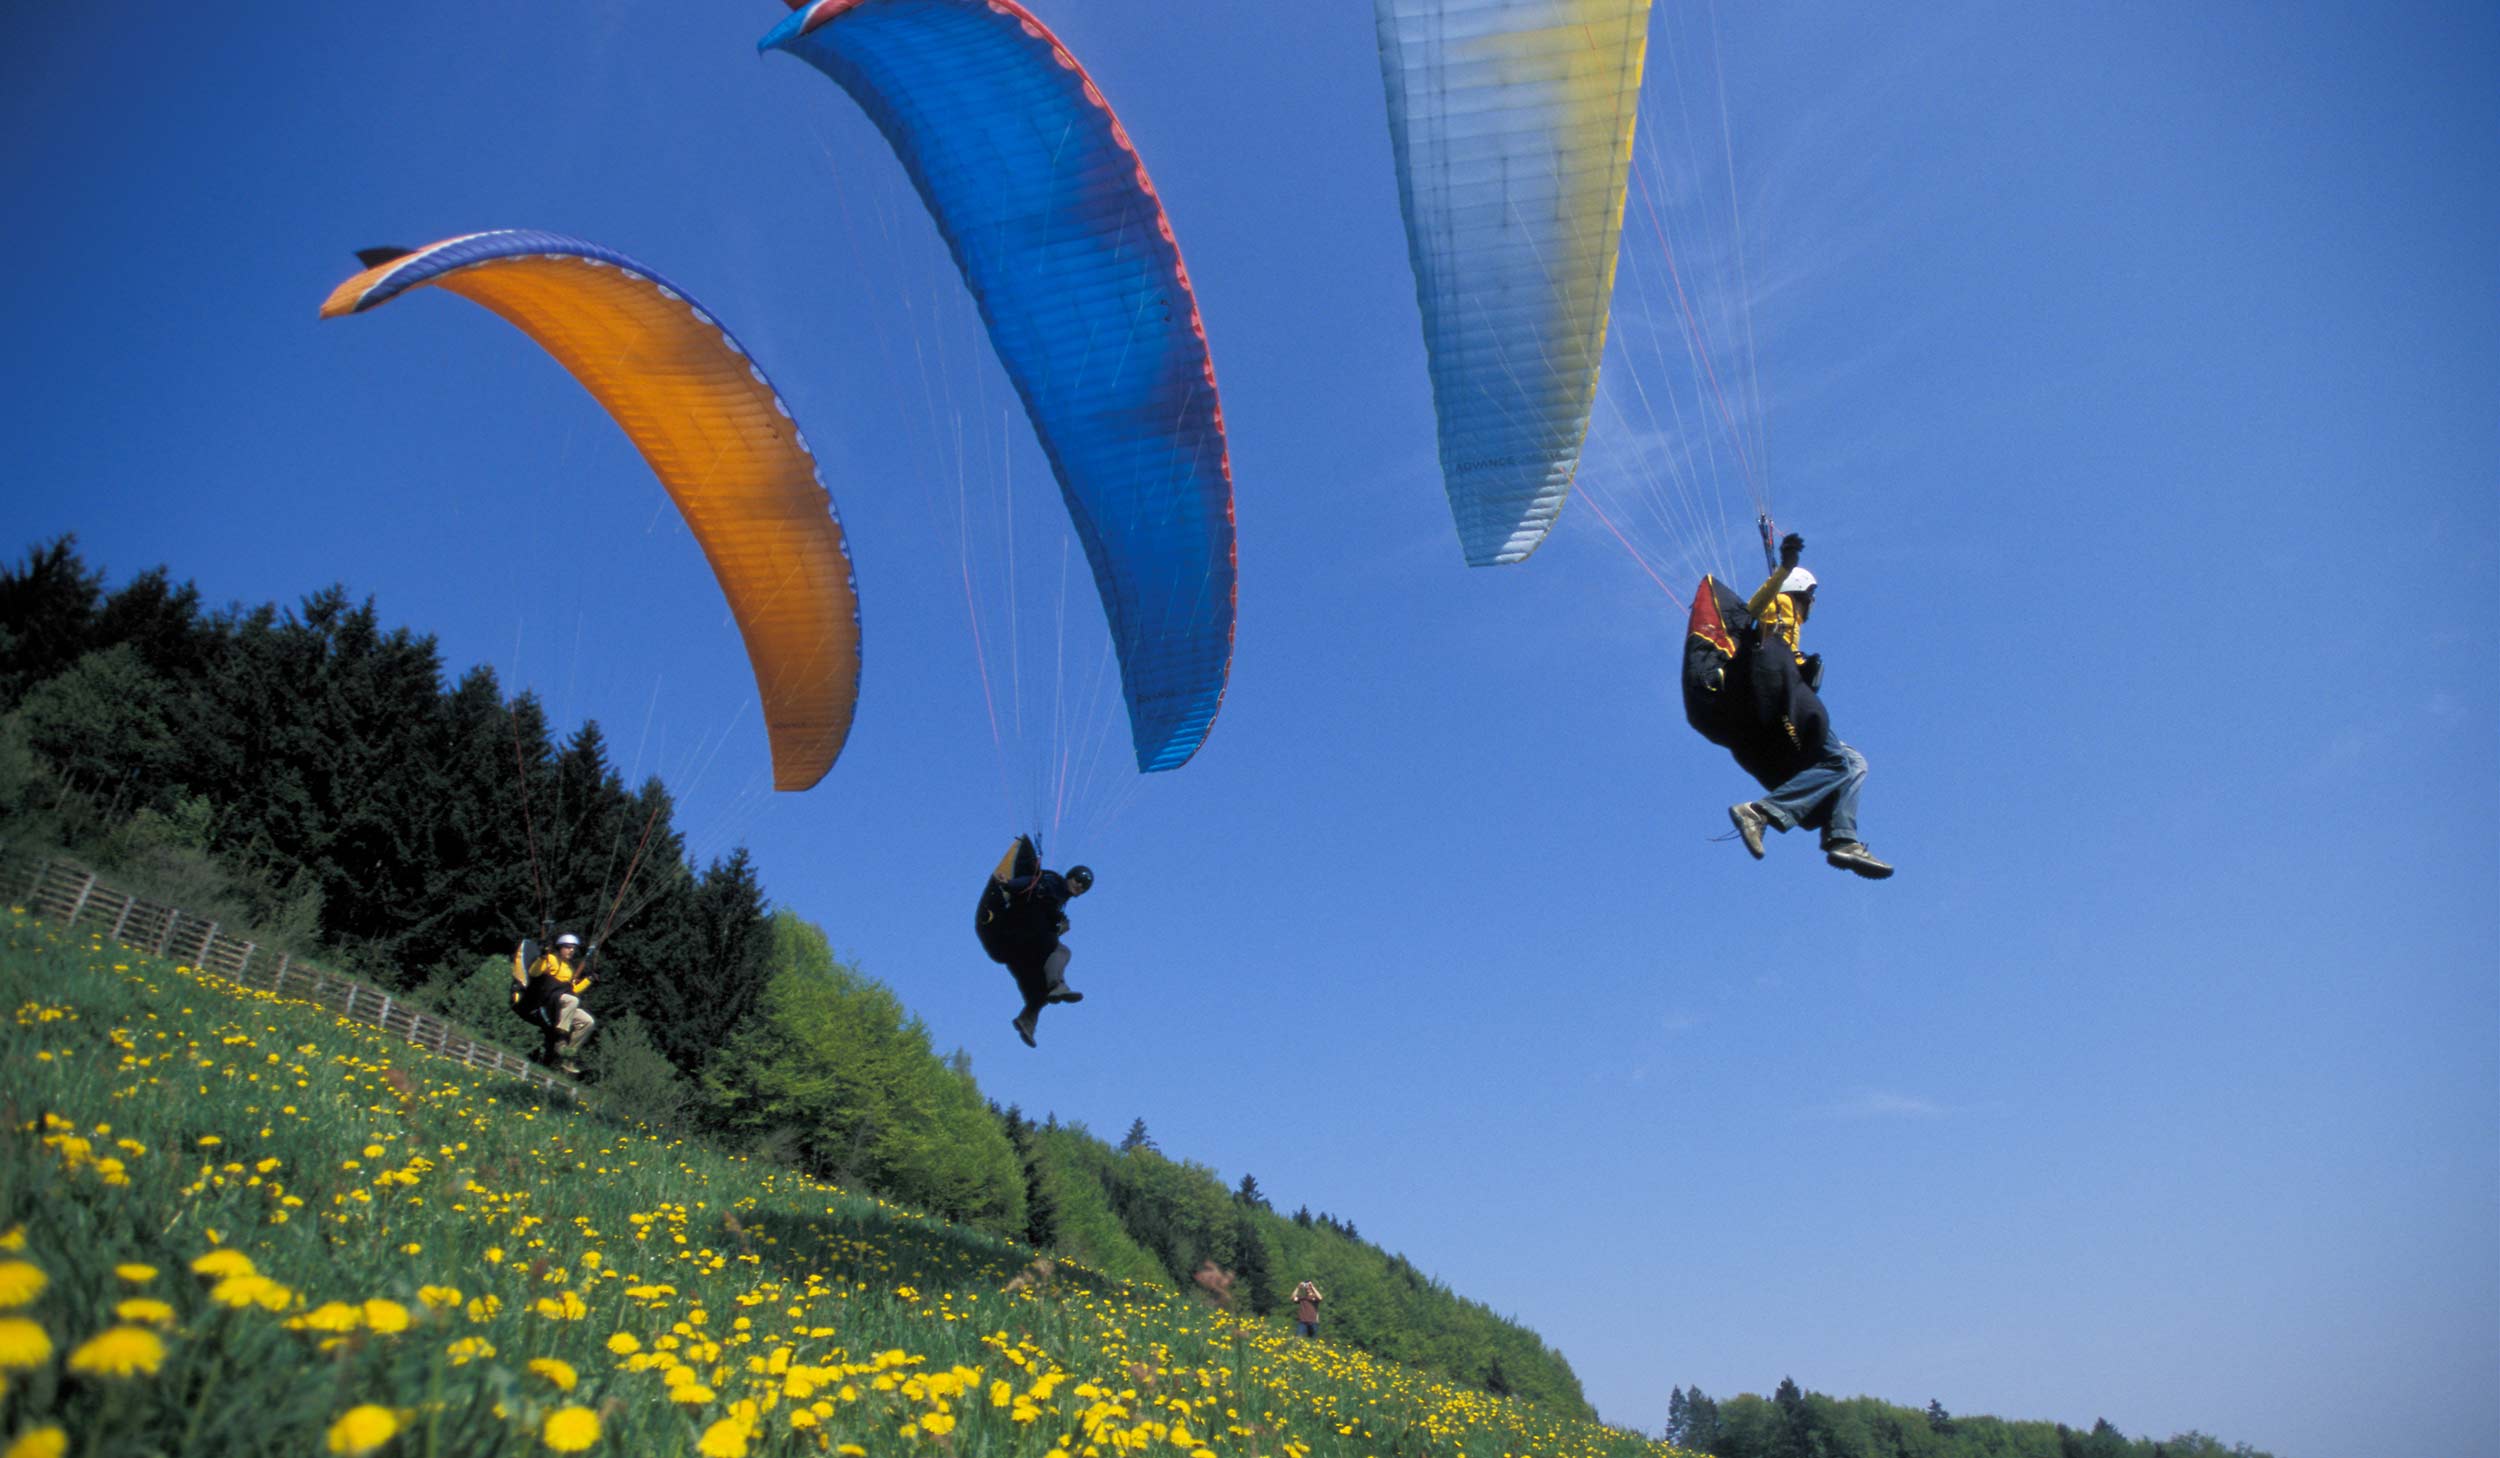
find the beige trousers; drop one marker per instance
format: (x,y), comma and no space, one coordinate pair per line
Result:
(573,1023)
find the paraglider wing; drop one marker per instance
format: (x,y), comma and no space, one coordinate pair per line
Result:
(1512,122)
(1065,247)
(714,432)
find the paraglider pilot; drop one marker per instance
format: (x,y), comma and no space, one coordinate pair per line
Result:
(1022,916)
(1823,794)
(548,994)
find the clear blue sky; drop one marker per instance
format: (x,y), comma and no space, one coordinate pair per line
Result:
(2134,371)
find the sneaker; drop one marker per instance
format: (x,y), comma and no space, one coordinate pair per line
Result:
(1749,824)
(1024,1030)
(1065,993)
(574,1069)
(1849,855)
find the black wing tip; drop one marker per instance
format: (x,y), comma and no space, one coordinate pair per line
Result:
(376,257)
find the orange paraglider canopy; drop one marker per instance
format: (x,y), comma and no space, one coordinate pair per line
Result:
(712,429)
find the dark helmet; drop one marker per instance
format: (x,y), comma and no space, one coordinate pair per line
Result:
(1080,880)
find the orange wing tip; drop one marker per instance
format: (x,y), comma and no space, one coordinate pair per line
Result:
(345,298)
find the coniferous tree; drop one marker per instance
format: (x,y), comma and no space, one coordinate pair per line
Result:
(1703,1430)
(1793,1435)
(47,615)
(1137,1137)
(1248,1193)
(1041,1215)
(696,961)
(1254,1271)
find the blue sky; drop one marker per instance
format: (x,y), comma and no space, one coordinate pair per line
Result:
(2131,372)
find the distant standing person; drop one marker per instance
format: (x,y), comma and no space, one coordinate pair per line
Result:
(1306,1300)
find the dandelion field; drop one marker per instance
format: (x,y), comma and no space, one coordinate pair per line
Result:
(239,1224)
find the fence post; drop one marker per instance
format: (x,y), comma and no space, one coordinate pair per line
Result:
(122,920)
(384,1021)
(80,905)
(243,967)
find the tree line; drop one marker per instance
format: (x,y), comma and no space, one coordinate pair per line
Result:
(1795,1423)
(309,772)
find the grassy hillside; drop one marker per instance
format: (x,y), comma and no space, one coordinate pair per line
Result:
(237,1224)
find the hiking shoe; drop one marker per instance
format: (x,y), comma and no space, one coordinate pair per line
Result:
(1024,1030)
(574,1069)
(1849,855)
(1749,824)
(1065,993)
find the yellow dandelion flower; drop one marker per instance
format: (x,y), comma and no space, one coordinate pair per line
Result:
(47,1441)
(482,1309)
(724,1439)
(374,1151)
(23,1345)
(329,1316)
(567,1307)
(239,1291)
(20,1283)
(690,1394)
(624,1344)
(363,1430)
(120,1351)
(570,1429)
(801,1418)
(387,1317)
(135,1273)
(469,1349)
(440,1298)
(142,1309)
(939,1423)
(14,1238)
(1002,1394)
(220,1264)
(556,1371)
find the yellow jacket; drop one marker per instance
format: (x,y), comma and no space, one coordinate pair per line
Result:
(1777,612)
(553,966)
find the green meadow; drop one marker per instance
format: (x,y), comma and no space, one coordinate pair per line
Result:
(239,1224)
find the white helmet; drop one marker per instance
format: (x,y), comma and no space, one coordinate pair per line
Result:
(1799,580)
(568,940)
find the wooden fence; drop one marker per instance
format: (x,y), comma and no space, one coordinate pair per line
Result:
(70,894)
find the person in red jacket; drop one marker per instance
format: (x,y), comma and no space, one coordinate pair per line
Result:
(1306,1300)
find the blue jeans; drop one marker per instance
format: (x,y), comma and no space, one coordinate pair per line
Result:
(1822,796)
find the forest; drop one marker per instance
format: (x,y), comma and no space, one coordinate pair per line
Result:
(1795,1423)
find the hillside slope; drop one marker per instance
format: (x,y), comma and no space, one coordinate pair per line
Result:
(236,1224)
